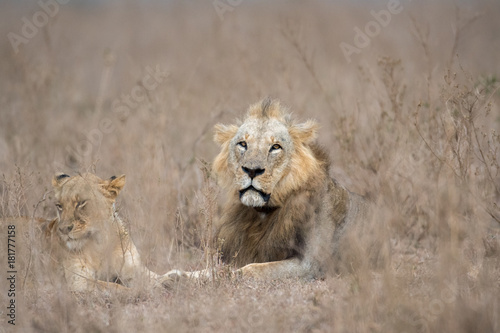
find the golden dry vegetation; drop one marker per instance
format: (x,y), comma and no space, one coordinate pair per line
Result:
(411,122)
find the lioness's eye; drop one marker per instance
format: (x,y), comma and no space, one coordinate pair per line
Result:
(59,207)
(242,144)
(275,147)
(81,204)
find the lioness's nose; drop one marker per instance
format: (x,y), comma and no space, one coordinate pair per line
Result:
(66,230)
(252,173)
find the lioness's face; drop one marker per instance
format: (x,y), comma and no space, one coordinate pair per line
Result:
(259,156)
(84,206)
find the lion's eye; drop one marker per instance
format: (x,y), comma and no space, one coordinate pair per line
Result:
(59,207)
(242,144)
(81,204)
(275,147)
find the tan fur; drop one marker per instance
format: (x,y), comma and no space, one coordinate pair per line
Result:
(89,241)
(289,222)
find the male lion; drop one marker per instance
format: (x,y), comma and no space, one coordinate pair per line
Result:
(284,214)
(91,242)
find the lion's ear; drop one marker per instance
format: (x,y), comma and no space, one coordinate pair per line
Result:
(113,186)
(305,132)
(224,133)
(59,179)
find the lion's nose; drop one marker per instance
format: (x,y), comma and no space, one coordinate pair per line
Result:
(66,230)
(252,173)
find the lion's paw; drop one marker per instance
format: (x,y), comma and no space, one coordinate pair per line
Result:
(170,279)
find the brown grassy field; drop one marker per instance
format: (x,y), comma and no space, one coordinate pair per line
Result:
(411,121)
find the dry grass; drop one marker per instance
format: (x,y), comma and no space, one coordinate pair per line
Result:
(412,123)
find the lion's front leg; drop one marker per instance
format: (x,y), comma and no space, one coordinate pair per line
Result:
(177,274)
(204,275)
(282,269)
(290,268)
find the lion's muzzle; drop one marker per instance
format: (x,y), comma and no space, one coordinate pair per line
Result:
(253,197)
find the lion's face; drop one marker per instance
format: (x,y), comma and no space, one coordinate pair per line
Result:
(84,206)
(264,158)
(259,157)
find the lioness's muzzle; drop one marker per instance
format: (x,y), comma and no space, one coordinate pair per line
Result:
(66,229)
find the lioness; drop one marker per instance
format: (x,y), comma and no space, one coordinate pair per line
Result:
(91,242)
(284,214)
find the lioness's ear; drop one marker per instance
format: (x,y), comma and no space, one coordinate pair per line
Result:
(59,179)
(113,186)
(224,133)
(305,132)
